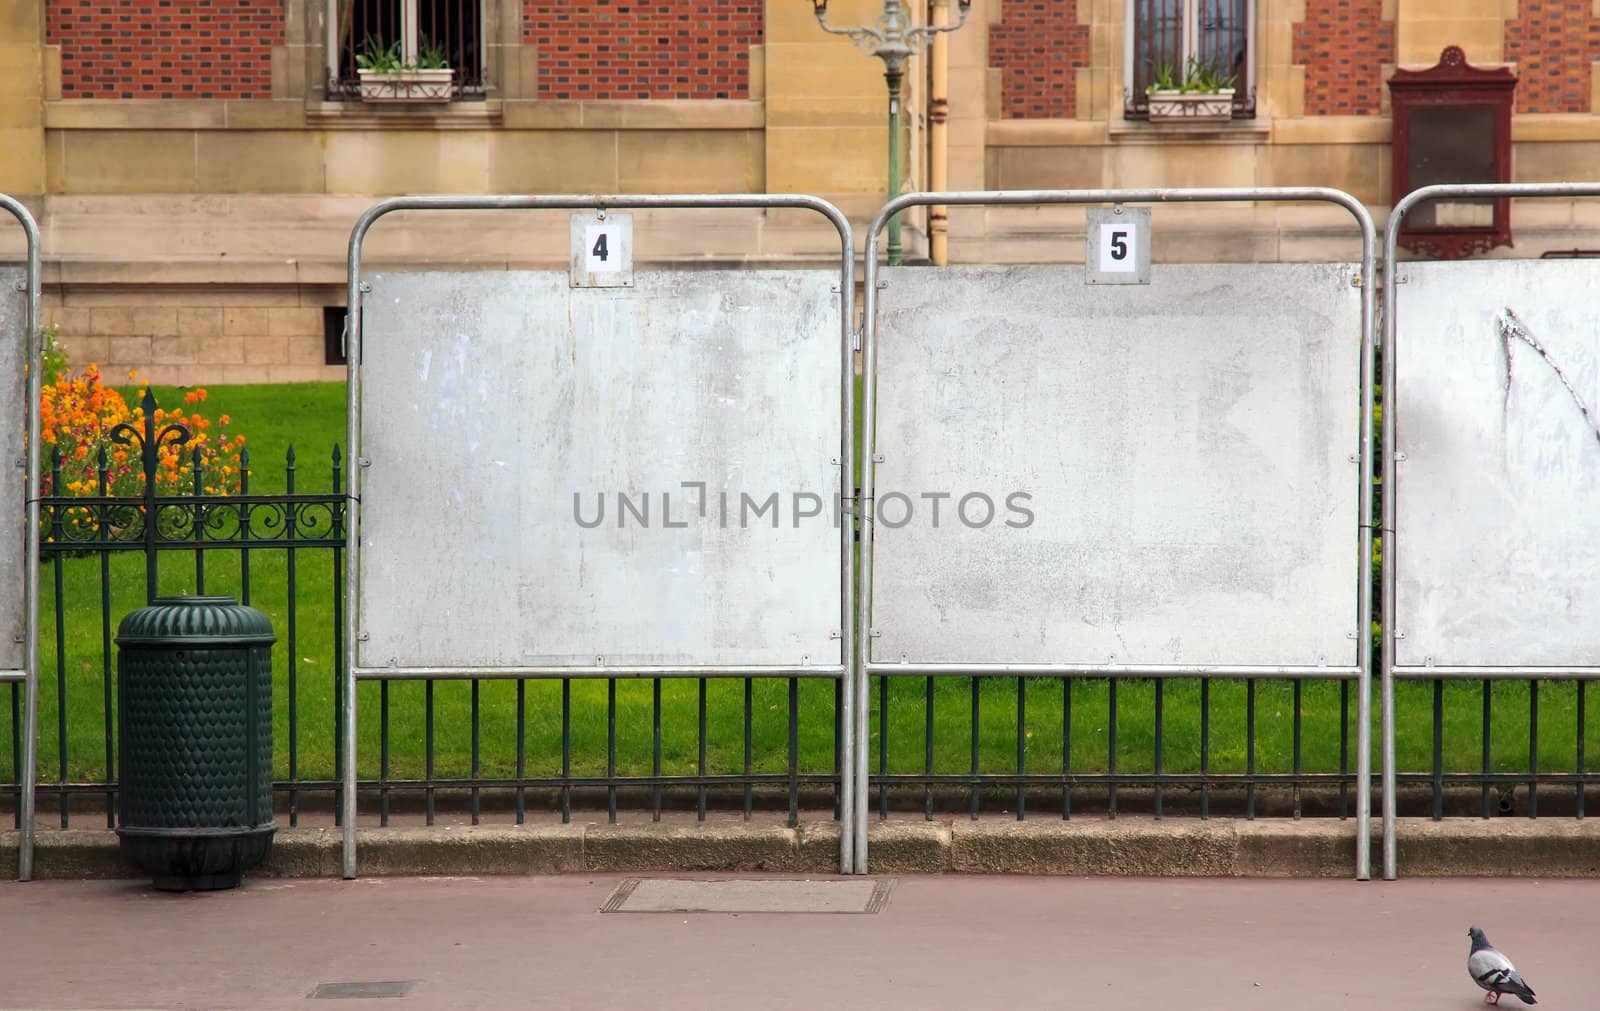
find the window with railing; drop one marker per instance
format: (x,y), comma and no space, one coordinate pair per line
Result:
(406,50)
(1209,41)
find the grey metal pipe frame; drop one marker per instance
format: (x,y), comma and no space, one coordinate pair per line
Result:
(1498,673)
(847,289)
(1363,671)
(1116,670)
(831,671)
(30,673)
(1391,244)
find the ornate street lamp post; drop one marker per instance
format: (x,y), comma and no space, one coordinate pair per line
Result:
(894,39)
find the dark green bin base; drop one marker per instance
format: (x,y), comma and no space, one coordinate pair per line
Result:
(198,883)
(196,861)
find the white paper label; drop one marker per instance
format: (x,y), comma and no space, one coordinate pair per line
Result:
(1119,251)
(602,244)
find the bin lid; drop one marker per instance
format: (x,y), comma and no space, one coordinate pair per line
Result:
(195,621)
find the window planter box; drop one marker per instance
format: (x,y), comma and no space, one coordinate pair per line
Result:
(412,86)
(1191,106)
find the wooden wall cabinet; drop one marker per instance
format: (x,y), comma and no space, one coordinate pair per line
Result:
(1452,124)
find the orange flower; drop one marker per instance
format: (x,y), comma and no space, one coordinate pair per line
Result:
(77,414)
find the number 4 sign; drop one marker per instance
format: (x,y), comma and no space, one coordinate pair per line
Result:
(1118,249)
(602,250)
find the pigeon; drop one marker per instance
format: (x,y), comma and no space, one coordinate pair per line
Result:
(1494,972)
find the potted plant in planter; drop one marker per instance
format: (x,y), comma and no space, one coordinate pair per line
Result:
(387,77)
(1204,94)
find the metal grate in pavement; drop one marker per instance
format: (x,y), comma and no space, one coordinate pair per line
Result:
(680,895)
(363,988)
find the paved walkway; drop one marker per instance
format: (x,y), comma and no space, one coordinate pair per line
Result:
(942,942)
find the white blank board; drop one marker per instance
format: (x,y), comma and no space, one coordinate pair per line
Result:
(1498,499)
(1188,447)
(489,400)
(13,479)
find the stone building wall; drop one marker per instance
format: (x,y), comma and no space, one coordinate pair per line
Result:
(197,230)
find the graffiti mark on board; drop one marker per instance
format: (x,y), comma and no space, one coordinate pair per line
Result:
(1513,329)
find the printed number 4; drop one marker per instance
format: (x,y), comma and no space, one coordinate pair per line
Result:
(1119,245)
(599,250)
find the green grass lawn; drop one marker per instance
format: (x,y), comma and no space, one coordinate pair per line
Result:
(308,416)
(311,418)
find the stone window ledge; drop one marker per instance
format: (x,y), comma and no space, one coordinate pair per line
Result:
(366,116)
(291,114)
(1096,133)
(1236,131)
(172,114)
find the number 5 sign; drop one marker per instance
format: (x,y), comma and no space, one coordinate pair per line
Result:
(602,250)
(1118,250)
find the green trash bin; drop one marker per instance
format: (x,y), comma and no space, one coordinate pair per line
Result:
(194,717)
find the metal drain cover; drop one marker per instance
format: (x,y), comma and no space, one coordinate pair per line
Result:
(678,895)
(364,988)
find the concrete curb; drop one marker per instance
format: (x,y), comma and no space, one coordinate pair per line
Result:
(1128,847)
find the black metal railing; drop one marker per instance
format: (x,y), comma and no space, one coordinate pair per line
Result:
(418,33)
(762,760)
(1236,748)
(1059,741)
(1162,39)
(729,743)
(1000,744)
(1512,760)
(111,547)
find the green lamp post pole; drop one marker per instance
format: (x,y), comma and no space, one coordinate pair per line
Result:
(894,72)
(894,39)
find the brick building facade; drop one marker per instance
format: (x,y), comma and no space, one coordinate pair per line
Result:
(197,166)
(159,49)
(699,49)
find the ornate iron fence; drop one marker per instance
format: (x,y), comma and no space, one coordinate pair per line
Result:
(1003,745)
(95,544)
(587,742)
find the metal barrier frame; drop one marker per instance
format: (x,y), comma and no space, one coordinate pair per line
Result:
(28,677)
(1391,672)
(843,671)
(1361,673)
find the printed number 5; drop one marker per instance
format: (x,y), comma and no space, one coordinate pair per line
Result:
(599,250)
(1119,245)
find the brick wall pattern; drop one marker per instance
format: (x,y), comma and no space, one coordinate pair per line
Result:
(1553,42)
(602,49)
(1038,48)
(165,48)
(1343,44)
